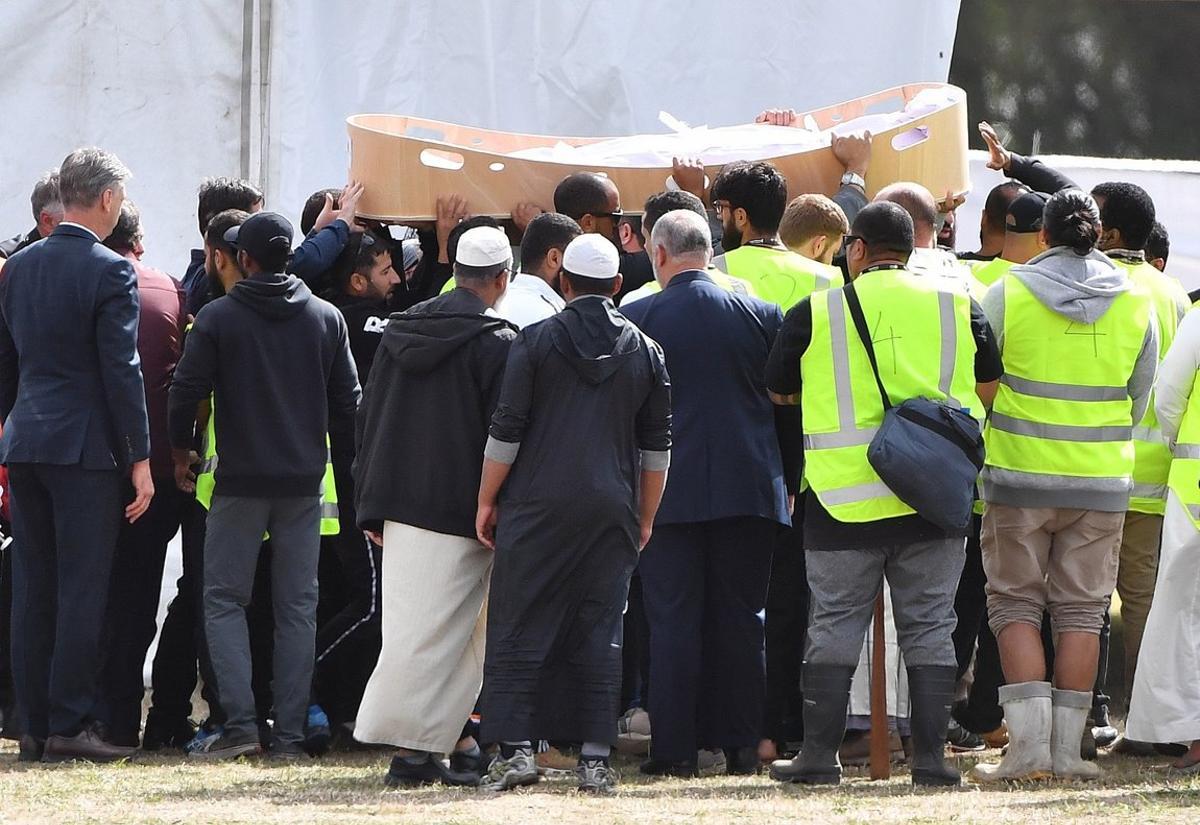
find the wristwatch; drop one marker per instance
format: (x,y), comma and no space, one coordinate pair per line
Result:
(854,179)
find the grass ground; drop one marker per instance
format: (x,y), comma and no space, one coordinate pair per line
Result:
(348,789)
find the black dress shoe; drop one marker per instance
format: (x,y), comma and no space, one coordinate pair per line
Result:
(469,762)
(32,749)
(662,767)
(742,761)
(424,769)
(163,733)
(85,746)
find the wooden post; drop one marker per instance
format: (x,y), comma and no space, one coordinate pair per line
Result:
(881,752)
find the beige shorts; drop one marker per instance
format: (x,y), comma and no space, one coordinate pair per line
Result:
(1043,558)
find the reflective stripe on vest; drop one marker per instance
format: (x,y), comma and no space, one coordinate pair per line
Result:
(1184,479)
(1062,408)
(1152,455)
(835,366)
(848,434)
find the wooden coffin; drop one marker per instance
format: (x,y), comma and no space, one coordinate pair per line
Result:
(407,162)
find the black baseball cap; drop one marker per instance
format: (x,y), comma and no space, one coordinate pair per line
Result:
(264,236)
(1025,212)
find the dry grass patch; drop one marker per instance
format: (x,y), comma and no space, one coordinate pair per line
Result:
(347,788)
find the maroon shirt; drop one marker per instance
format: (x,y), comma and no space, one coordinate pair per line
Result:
(160,335)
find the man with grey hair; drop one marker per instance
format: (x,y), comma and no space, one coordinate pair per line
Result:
(705,571)
(76,436)
(47,212)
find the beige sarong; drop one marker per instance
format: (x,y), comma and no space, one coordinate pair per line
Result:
(434,617)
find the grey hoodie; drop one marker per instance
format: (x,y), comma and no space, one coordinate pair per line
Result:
(1080,288)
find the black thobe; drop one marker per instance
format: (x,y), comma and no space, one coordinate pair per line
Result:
(585,401)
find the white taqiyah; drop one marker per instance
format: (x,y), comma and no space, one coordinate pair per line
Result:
(592,256)
(483,246)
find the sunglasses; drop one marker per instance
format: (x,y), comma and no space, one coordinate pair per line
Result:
(614,215)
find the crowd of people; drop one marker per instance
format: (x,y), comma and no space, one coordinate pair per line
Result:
(615,490)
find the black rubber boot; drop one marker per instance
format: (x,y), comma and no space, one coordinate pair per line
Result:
(931,693)
(826,698)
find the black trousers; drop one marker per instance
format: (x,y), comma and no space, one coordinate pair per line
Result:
(635,651)
(981,712)
(66,521)
(786,630)
(349,639)
(181,645)
(705,586)
(7,699)
(133,608)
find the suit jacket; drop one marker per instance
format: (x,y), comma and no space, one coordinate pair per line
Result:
(71,388)
(725,455)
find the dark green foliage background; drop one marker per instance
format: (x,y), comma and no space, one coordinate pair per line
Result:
(1110,78)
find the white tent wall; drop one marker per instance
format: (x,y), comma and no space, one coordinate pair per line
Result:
(157,83)
(575,67)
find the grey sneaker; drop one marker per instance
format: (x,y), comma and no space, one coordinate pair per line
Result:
(228,746)
(595,776)
(506,774)
(962,740)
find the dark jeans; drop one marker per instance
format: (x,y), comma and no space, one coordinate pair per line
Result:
(133,608)
(65,520)
(705,586)
(786,629)
(981,711)
(348,641)
(635,654)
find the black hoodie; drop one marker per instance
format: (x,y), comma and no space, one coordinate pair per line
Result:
(277,361)
(424,418)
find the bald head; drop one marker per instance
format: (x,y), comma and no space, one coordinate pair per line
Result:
(585,193)
(918,202)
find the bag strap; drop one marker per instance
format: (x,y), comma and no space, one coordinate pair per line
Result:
(860,324)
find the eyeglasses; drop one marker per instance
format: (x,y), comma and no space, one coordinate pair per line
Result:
(614,215)
(718,205)
(849,239)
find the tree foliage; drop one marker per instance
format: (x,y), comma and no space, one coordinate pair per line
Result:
(1110,78)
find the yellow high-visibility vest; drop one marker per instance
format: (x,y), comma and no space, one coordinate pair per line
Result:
(206,480)
(921,334)
(1184,478)
(777,275)
(1152,454)
(988,272)
(1063,406)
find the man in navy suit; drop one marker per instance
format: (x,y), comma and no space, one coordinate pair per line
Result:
(75,424)
(705,571)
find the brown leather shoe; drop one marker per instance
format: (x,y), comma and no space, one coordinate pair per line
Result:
(87,746)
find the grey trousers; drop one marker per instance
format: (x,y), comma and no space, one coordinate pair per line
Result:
(844,583)
(234,535)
